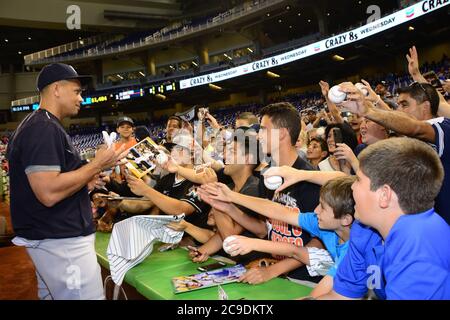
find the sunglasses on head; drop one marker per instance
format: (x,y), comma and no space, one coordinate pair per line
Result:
(415,83)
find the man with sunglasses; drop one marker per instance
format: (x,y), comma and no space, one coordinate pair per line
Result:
(416,117)
(419,100)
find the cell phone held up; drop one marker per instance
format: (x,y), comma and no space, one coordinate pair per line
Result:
(212,266)
(433,79)
(337,133)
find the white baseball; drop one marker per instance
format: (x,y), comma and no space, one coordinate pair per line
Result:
(273,182)
(362,88)
(226,244)
(336,95)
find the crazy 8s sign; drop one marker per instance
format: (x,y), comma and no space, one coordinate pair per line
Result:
(370,29)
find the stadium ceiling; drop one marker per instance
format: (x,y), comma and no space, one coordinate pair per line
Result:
(295,18)
(24,31)
(15,42)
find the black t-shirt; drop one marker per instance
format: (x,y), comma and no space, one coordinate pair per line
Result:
(171,188)
(301,197)
(250,188)
(223,178)
(41,144)
(185,190)
(200,216)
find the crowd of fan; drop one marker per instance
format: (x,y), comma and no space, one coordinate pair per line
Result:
(303,187)
(86,138)
(317,194)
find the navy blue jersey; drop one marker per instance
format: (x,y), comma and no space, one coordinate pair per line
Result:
(41,144)
(441,128)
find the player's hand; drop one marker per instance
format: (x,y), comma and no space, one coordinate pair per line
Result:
(106,158)
(96,183)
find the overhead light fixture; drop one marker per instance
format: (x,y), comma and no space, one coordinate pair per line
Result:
(20,52)
(227,56)
(290,27)
(6,40)
(29,38)
(337,57)
(268,14)
(249,49)
(309,20)
(411,28)
(118,75)
(214,87)
(328,14)
(141,73)
(280,21)
(272,74)
(195,63)
(160,96)
(81,42)
(299,14)
(288,8)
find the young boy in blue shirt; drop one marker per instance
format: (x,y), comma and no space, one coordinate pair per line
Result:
(398,245)
(330,222)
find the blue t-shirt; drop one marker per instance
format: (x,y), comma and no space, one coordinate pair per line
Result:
(413,263)
(441,128)
(330,239)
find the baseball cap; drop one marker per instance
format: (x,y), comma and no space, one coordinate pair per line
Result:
(57,72)
(125,119)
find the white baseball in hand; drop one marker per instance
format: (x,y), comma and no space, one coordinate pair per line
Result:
(362,88)
(336,95)
(226,244)
(273,182)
